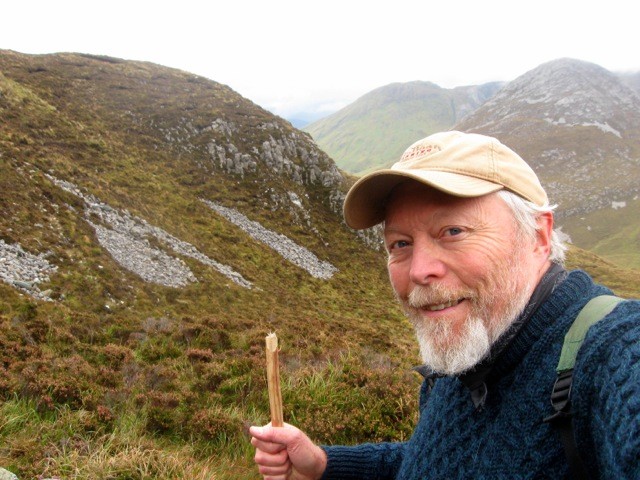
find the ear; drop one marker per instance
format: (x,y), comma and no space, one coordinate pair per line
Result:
(543,234)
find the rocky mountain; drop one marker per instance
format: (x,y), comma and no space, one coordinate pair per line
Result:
(578,125)
(632,80)
(374,130)
(94,127)
(571,120)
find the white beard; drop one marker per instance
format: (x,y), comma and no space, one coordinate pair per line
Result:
(450,348)
(473,345)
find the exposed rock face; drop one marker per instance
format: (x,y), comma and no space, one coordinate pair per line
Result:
(280,153)
(287,248)
(24,270)
(127,240)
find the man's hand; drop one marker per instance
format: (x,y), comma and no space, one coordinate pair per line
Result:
(287,454)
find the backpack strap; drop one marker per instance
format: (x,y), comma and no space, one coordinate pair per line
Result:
(596,309)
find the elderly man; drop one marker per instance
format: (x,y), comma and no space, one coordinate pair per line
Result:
(476,265)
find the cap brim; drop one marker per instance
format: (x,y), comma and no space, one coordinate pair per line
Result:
(365,203)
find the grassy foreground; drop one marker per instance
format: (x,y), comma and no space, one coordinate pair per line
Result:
(167,400)
(344,400)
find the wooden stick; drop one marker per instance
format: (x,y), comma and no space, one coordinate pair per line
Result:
(273,381)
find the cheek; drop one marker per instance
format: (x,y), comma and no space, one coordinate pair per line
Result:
(483,262)
(399,278)
(471,270)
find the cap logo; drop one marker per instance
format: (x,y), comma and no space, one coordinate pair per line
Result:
(419,151)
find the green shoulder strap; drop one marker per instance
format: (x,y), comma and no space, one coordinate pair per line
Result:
(596,309)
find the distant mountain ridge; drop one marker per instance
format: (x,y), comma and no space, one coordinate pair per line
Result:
(373,131)
(569,119)
(576,123)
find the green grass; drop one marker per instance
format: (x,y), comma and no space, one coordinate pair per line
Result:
(72,444)
(375,130)
(372,132)
(613,234)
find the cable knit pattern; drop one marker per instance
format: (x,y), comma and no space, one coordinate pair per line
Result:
(507,438)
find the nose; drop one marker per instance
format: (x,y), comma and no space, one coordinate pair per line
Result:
(427,264)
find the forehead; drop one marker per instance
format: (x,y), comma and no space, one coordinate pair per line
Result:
(413,198)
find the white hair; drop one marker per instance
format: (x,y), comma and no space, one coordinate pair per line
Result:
(526,215)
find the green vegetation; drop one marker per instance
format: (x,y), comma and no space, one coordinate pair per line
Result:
(85,397)
(375,130)
(372,132)
(623,281)
(613,234)
(122,379)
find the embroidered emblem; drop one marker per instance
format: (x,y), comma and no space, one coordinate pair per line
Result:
(419,151)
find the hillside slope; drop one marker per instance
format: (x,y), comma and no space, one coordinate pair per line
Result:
(373,131)
(156,226)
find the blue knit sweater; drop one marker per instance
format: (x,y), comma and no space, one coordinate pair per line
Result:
(507,438)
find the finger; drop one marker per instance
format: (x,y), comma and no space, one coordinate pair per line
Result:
(271,460)
(275,472)
(268,447)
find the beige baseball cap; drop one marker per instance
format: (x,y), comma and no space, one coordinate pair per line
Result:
(460,164)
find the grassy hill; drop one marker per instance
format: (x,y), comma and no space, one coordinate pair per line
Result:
(373,131)
(611,233)
(116,364)
(110,375)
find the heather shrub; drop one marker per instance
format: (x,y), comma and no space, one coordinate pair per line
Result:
(115,356)
(199,355)
(214,424)
(157,377)
(161,410)
(349,401)
(66,380)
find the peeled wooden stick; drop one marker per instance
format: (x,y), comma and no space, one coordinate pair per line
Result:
(273,381)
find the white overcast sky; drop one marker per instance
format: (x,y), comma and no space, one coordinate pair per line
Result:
(299,55)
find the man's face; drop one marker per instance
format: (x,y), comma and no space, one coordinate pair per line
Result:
(460,270)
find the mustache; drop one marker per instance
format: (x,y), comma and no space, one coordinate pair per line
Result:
(436,294)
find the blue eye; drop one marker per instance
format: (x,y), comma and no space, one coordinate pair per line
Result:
(398,245)
(454,231)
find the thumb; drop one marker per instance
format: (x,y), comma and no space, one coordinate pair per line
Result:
(268,433)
